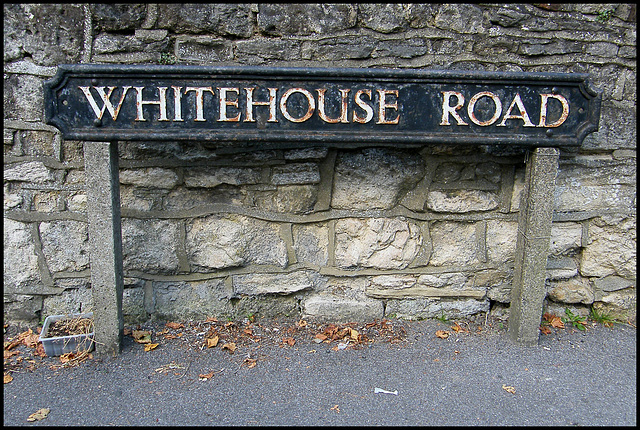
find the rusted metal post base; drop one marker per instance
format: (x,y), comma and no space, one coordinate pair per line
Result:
(532,246)
(105,241)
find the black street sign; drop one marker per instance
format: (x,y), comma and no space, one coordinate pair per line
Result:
(289,106)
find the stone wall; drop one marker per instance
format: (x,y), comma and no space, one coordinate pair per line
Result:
(321,232)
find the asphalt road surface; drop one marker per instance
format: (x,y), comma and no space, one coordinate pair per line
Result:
(469,378)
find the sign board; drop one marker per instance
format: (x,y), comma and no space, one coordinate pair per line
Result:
(261,105)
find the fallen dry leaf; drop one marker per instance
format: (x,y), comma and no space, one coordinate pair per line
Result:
(301,323)
(149,346)
(545,330)
(508,389)
(335,408)
(353,334)
(211,319)
(248,331)
(39,415)
(31,340)
(456,327)
(289,341)
(204,377)
(212,342)
(321,337)
(174,325)
(554,320)
(442,334)
(39,351)
(250,362)
(141,336)
(7,378)
(231,346)
(8,354)
(65,358)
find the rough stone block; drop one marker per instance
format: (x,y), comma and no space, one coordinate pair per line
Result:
(203,49)
(214,243)
(339,48)
(197,299)
(566,238)
(374,178)
(272,283)
(150,246)
(150,177)
(65,245)
(383,18)
(305,19)
(415,309)
(295,199)
(575,290)
(267,50)
(118,17)
(561,268)
(461,201)
(333,308)
(31,171)
(453,243)
(295,174)
(311,243)
(220,19)
(501,240)
(211,177)
(375,242)
(22,309)
(70,301)
(20,259)
(611,248)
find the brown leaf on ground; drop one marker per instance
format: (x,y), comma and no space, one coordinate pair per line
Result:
(508,389)
(149,346)
(456,327)
(174,325)
(205,376)
(39,415)
(7,378)
(442,334)
(321,336)
(8,354)
(335,408)
(212,342)
(289,341)
(301,323)
(141,336)
(250,362)
(545,330)
(231,346)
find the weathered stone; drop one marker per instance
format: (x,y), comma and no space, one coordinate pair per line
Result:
(37,142)
(197,299)
(295,199)
(311,243)
(461,201)
(339,48)
(31,171)
(576,290)
(436,285)
(152,177)
(22,309)
(305,19)
(270,306)
(47,201)
(403,48)
(501,240)
(272,283)
(260,51)
(20,259)
(566,238)
(117,17)
(561,268)
(203,49)
(613,283)
(115,43)
(212,177)
(70,301)
(50,34)
(620,305)
(65,245)
(306,154)
(335,308)
(184,199)
(375,242)
(214,243)
(150,246)
(23,98)
(560,309)
(453,243)
(460,20)
(384,18)
(413,309)
(497,283)
(77,202)
(374,178)
(611,248)
(295,174)
(221,19)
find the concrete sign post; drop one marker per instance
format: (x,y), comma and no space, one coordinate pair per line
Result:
(256,108)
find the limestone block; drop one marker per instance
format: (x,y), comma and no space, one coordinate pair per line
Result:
(498,284)
(612,283)
(69,301)
(117,17)
(376,242)
(620,305)
(212,177)
(261,51)
(611,249)
(77,202)
(461,201)
(414,309)
(383,18)
(425,285)
(374,178)
(203,49)
(501,240)
(295,199)
(460,19)
(221,19)
(566,238)
(575,290)
(311,243)
(20,268)
(150,246)
(65,245)
(196,299)
(184,199)
(305,19)
(403,48)
(31,171)
(453,243)
(151,177)
(306,154)
(22,309)
(272,283)
(333,308)
(339,48)
(561,268)
(295,174)
(214,242)
(275,306)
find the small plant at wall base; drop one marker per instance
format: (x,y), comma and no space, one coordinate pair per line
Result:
(602,318)
(605,15)
(167,59)
(576,320)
